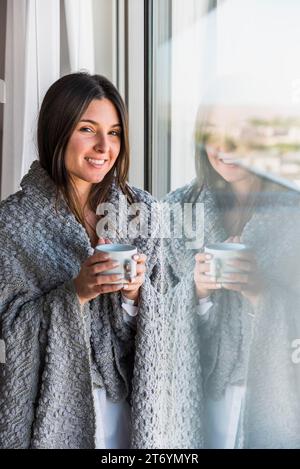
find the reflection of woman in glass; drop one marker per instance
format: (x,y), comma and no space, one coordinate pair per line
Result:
(234,382)
(70,334)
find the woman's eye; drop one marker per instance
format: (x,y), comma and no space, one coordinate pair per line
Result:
(115,133)
(86,129)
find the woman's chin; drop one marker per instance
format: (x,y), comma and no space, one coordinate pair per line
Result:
(94,178)
(232,173)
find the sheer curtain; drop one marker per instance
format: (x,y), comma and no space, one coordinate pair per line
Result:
(32,64)
(79,23)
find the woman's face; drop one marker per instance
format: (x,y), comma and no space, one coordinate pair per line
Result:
(222,151)
(95,144)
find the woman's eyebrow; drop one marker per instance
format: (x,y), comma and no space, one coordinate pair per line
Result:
(89,120)
(96,123)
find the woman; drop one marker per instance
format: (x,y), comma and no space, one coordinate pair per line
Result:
(75,352)
(234,383)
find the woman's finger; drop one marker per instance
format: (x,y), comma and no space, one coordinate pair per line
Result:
(107,288)
(140,268)
(95,269)
(136,282)
(203,257)
(241,264)
(108,279)
(203,278)
(233,286)
(235,278)
(138,279)
(96,258)
(140,258)
(245,256)
(210,286)
(202,267)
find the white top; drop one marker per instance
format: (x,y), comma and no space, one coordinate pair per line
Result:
(113,419)
(222,417)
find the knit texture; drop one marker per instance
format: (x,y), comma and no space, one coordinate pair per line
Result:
(46,384)
(203,357)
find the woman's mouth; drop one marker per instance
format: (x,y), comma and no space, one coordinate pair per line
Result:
(96,163)
(228,161)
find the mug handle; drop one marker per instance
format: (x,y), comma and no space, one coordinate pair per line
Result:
(130,269)
(216,268)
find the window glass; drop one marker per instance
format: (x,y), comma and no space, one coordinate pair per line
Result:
(239,57)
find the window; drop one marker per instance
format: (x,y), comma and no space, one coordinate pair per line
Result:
(2,62)
(239,58)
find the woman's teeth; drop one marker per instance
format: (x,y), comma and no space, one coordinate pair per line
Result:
(96,162)
(227,161)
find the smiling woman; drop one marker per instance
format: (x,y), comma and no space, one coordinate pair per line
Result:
(76,337)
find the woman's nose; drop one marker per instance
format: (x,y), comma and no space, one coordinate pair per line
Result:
(102,145)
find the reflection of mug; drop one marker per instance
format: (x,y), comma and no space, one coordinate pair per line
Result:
(121,253)
(222,253)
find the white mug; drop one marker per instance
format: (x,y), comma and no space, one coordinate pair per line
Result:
(222,253)
(121,253)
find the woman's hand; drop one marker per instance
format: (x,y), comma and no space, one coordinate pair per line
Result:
(89,284)
(248,280)
(204,283)
(131,290)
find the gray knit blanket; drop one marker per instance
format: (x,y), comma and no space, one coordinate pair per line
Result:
(46,383)
(233,347)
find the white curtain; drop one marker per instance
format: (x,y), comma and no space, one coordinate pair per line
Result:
(14,107)
(79,23)
(33,56)
(31,65)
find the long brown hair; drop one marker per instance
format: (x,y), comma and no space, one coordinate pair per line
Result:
(61,110)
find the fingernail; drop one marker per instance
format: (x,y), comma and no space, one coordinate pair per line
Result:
(136,257)
(125,286)
(208,256)
(115,264)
